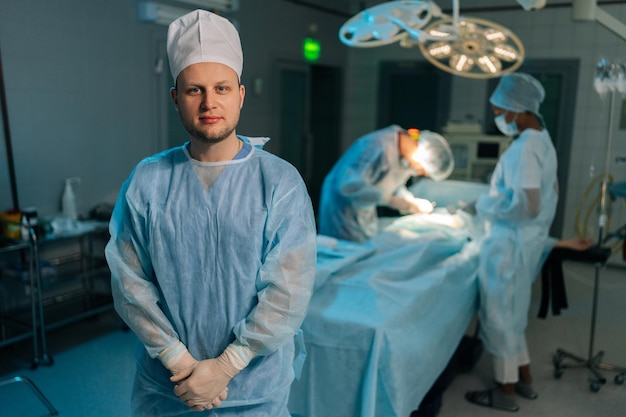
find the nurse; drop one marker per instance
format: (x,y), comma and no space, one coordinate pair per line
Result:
(212,249)
(518,210)
(373,172)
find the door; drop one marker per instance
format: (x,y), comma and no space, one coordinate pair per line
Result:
(309,123)
(294,123)
(413,94)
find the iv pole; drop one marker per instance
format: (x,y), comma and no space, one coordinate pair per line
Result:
(619,379)
(588,10)
(594,362)
(603,220)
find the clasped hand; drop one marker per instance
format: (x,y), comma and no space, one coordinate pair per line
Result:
(202,385)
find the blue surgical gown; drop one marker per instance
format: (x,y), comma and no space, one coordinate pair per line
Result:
(365,176)
(206,254)
(514,244)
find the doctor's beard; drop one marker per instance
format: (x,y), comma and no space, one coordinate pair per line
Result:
(210,138)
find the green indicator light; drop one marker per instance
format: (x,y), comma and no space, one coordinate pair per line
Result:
(311,49)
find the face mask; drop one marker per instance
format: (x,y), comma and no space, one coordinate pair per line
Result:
(507,129)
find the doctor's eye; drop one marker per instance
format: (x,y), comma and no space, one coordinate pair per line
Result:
(222,89)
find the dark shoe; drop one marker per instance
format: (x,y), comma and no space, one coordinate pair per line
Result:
(493,399)
(526,390)
(429,407)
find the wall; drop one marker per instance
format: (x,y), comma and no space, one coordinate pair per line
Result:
(547,33)
(81,86)
(83,93)
(77,94)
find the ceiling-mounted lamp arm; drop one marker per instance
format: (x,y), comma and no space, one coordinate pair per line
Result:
(420,35)
(435,11)
(587,10)
(611,23)
(413,34)
(417,35)
(455,12)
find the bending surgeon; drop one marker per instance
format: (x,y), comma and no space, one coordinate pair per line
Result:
(212,249)
(374,172)
(518,211)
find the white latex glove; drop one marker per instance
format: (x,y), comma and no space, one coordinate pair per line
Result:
(204,385)
(423,205)
(410,205)
(181,363)
(401,204)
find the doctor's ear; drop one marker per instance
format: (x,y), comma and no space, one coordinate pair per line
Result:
(174,96)
(242,95)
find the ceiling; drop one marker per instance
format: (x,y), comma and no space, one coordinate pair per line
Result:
(351,7)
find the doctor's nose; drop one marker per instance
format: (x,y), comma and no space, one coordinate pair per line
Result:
(207,101)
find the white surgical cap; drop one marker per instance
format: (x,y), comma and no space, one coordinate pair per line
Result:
(202,36)
(519,93)
(435,155)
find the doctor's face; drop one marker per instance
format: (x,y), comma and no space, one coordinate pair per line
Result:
(509,116)
(209,99)
(408,150)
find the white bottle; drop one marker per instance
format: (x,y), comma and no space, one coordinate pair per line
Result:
(25,228)
(68,200)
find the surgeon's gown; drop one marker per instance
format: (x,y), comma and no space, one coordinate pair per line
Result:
(208,252)
(513,247)
(365,176)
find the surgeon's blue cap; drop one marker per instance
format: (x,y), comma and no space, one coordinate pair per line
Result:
(518,92)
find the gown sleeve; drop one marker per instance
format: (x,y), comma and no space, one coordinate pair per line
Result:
(134,294)
(286,277)
(359,179)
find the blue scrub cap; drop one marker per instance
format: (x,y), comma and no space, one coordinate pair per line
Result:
(518,92)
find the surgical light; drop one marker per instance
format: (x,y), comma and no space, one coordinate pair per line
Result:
(464,46)
(436,33)
(481,49)
(495,35)
(505,52)
(385,23)
(440,50)
(461,63)
(489,64)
